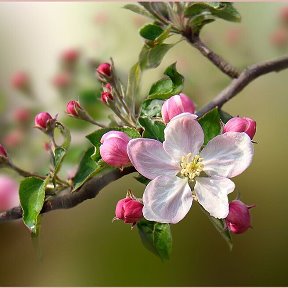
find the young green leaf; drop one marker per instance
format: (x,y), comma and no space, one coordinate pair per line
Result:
(139,10)
(32,195)
(168,86)
(156,237)
(59,155)
(150,31)
(210,124)
(151,108)
(140,178)
(224,116)
(153,129)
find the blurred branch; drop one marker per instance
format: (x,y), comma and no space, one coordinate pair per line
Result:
(217,60)
(246,77)
(71,199)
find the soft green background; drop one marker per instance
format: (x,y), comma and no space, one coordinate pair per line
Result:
(81,247)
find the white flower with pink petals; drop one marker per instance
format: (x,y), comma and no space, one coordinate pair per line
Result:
(181,170)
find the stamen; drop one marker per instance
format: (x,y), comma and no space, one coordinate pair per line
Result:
(191,166)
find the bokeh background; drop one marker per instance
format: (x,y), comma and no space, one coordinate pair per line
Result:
(80,247)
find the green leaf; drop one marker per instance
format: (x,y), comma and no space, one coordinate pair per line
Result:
(210,124)
(96,136)
(151,57)
(32,196)
(168,86)
(156,237)
(224,116)
(140,178)
(139,10)
(59,155)
(151,108)
(87,169)
(150,31)
(153,129)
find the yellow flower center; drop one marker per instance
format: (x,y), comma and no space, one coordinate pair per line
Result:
(191,166)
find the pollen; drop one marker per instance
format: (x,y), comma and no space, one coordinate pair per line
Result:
(191,166)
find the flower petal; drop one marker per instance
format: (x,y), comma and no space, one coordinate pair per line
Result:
(212,195)
(227,155)
(167,199)
(150,159)
(183,135)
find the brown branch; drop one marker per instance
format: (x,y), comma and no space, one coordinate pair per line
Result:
(217,60)
(70,199)
(247,76)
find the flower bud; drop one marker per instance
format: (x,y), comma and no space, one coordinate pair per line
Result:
(14,138)
(20,81)
(61,80)
(238,219)
(106,97)
(279,38)
(114,148)
(3,152)
(283,15)
(104,69)
(9,197)
(42,119)
(71,108)
(241,124)
(70,56)
(176,105)
(129,210)
(22,115)
(108,87)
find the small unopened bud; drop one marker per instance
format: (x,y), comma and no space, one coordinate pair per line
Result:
(42,120)
(70,56)
(104,69)
(22,115)
(238,219)
(14,138)
(3,152)
(9,197)
(279,38)
(61,80)
(129,210)
(72,107)
(241,124)
(106,97)
(108,87)
(114,148)
(176,105)
(284,15)
(20,81)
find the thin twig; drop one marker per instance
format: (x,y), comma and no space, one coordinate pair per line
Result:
(247,76)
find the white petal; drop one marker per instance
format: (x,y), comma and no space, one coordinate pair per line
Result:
(150,159)
(212,195)
(183,135)
(227,155)
(167,199)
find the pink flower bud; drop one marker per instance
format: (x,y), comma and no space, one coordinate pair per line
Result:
(279,38)
(70,55)
(284,15)
(176,105)
(42,119)
(129,210)
(104,69)
(106,97)
(241,124)
(22,115)
(3,152)
(71,108)
(114,148)
(108,87)
(20,80)
(14,138)
(238,219)
(61,80)
(9,197)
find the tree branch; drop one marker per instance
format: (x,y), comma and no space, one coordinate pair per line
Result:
(70,199)
(217,60)
(247,76)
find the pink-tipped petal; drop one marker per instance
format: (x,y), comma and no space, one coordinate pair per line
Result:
(227,155)
(183,135)
(212,195)
(167,199)
(150,159)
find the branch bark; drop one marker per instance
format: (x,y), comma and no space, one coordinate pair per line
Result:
(246,77)
(71,199)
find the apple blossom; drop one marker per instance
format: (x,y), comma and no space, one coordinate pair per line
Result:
(9,197)
(176,105)
(241,124)
(178,165)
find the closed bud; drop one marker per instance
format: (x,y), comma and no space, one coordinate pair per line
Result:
(9,197)
(72,107)
(108,87)
(20,81)
(129,210)
(279,38)
(104,69)
(241,124)
(3,152)
(22,115)
(284,15)
(114,148)
(238,219)
(70,55)
(61,80)
(176,105)
(42,120)
(106,97)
